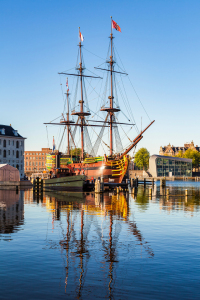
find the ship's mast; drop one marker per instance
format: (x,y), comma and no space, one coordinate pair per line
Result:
(81,101)
(111,91)
(68,150)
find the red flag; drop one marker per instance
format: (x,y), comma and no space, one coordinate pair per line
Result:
(115,26)
(81,36)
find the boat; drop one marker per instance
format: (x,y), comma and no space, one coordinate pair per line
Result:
(67,183)
(112,167)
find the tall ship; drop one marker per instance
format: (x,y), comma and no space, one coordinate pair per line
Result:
(83,159)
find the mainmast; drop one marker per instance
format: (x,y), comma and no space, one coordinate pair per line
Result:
(81,101)
(111,91)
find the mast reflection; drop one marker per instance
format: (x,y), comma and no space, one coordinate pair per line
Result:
(110,207)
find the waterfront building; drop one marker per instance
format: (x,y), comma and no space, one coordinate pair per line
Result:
(171,150)
(35,161)
(12,148)
(161,166)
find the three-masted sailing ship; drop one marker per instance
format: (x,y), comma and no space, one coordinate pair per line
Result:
(112,167)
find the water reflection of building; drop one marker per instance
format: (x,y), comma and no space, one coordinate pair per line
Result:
(11,211)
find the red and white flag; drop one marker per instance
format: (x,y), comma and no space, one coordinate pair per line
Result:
(115,26)
(81,36)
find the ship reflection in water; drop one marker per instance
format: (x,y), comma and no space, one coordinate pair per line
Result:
(114,209)
(87,246)
(11,212)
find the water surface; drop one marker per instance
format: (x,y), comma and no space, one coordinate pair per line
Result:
(81,246)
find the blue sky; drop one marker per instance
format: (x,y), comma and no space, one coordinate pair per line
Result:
(159,47)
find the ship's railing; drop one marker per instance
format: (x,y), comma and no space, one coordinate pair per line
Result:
(92,160)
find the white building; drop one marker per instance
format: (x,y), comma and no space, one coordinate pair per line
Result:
(12,148)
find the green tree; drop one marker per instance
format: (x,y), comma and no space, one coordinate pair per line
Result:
(142,158)
(194,155)
(180,154)
(76,152)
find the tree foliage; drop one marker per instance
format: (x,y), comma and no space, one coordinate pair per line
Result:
(142,158)
(194,155)
(180,154)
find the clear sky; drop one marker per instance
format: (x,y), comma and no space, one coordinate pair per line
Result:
(159,47)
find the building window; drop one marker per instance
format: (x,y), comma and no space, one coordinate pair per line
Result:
(17,166)
(13,152)
(33,164)
(29,163)
(39,163)
(17,154)
(21,153)
(8,152)
(0,151)
(21,143)
(17,144)
(13,143)
(9,142)
(26,163)
(4,143)
(4,153)
(0,141)
(21,167)
(43,163)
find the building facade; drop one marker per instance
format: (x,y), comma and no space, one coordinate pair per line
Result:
(12,148)
(167,166)
(171,150)
(35,161)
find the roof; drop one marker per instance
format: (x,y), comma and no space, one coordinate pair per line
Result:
(9,131)
(7,166)
(171,158)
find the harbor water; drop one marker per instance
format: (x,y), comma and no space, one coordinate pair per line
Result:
(63,245)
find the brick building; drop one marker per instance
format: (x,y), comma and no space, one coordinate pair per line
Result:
(171,150)
(35,161)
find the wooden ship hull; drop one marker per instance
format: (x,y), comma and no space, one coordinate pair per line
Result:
(67,183)
(92,168)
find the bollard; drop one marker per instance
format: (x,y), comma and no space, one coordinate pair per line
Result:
(102,185)
(41,185)
(117,190)
(33,184)
(144,182)
(17,189)
(37,184)
(132,182)
(186,192)
(150,191)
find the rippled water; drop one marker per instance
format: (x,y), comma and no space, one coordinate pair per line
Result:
(82,246)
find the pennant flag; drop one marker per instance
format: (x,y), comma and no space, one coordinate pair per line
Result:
(53,144)
(81,36)
(115,26)
(67,85)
